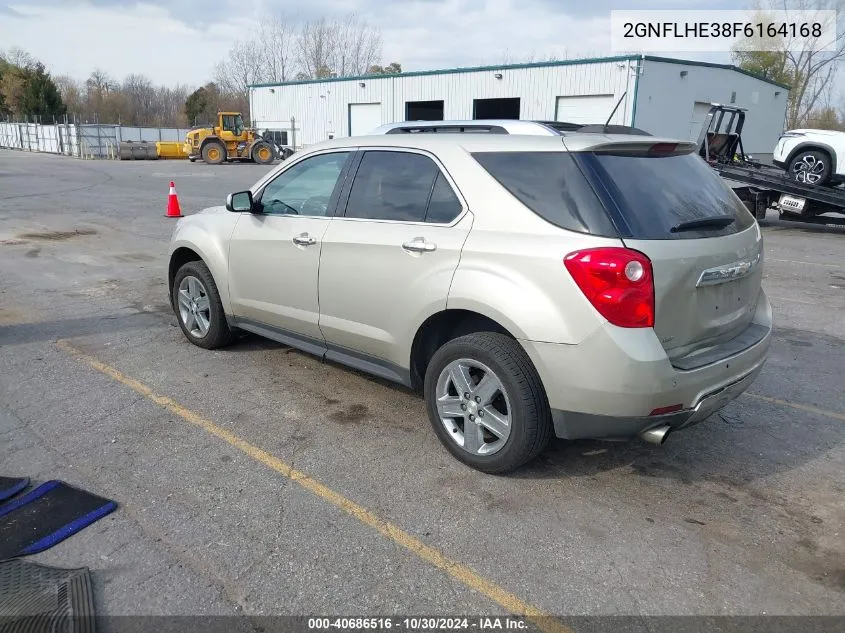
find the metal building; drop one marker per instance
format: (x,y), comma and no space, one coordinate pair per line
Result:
(661,95)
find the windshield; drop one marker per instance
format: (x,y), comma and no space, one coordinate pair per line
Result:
(648,195)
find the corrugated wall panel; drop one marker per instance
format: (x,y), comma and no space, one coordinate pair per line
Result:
(666,102)
(321,109)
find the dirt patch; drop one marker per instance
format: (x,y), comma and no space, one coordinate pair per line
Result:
(33,252)
(57,236)
(352,415)
(822,565)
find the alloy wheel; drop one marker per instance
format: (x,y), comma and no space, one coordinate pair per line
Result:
(473,406)
(194,306)
(808,169)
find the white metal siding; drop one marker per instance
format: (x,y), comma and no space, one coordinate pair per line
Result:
(364,118)
(585,109)
(668,104)
(322,108)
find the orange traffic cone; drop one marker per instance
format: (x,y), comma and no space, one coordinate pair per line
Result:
(173,209)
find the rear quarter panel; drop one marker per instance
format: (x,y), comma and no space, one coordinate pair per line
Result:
(511,268)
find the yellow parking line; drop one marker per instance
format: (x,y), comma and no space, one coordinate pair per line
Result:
(544,621)
(797,405)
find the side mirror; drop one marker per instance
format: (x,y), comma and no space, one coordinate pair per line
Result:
(240,202)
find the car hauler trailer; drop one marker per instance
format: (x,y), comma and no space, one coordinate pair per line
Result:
(761,186)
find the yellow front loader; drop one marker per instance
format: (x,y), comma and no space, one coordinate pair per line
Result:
(230,140)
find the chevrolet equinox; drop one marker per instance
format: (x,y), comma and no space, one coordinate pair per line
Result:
(586,286)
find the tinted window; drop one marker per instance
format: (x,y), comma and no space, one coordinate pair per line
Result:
(655,193)
(306,188)
(551,185)
(392,186)
(444,205)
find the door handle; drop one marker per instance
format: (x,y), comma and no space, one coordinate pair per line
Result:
(303,239)
(419,245)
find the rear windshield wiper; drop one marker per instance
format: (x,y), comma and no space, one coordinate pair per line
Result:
(712,222)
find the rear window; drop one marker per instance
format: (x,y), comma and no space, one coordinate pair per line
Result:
(649,195)
(552,186)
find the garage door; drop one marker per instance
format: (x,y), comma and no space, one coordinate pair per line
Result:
(364,118)
(587,109)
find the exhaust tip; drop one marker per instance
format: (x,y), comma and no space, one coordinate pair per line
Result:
(657,435)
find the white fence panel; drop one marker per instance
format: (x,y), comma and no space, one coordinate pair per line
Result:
(10,135)
(70,144)
(87,141)
(48,139)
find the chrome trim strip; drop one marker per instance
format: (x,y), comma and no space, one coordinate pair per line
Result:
(728,272)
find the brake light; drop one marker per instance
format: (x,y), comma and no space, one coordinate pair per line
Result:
(618,282)
(663,148)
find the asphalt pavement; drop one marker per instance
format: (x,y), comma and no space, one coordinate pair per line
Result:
(259,480)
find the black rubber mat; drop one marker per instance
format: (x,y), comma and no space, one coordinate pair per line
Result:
(47,515)
(39,599)
(10,486)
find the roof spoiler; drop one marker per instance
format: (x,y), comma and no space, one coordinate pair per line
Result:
(644,148)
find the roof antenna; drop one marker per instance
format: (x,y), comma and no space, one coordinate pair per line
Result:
(618,103)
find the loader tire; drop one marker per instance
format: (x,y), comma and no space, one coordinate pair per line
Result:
(214,153)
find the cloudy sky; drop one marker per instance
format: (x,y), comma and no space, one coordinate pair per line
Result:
(174,41)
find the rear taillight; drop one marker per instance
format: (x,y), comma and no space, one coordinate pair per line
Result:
(617,281)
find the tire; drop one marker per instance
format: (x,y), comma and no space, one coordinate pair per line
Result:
(262,153)
(521,396)
(812,167)
(213,153)
(217,333)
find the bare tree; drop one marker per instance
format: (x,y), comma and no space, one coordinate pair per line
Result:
(277,39)
(73,94)
(19,57)
(240,69)
(140,94)
(169,106)
(355,46)
(314,49)
(100,81)
(809,68)
(337,48)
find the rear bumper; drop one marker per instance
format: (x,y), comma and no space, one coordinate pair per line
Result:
(608,385)
(574,425)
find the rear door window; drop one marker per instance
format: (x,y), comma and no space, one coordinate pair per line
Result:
(552,185)
(392,186)
(444,205)
(650,195)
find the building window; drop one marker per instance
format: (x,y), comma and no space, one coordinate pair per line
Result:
(495,108)
(423,110)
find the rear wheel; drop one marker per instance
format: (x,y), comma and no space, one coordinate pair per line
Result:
(811,167)
(262,153)
(486,402)
(198,307)
(214,153)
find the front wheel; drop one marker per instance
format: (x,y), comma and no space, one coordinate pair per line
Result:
(486,402)
(811,167)
(262,154)
(198,307)
(214,153)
